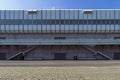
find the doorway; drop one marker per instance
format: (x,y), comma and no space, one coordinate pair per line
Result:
(59,56)
(116,56)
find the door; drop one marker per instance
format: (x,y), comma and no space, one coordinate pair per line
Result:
(117,56)
(2,56)
(60,56)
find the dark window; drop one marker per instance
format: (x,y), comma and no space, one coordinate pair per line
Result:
(2,37)
(58,38)
(116,37)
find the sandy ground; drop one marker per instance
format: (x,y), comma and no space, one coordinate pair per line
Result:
(59,70)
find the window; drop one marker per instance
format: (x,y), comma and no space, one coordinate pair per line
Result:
(59,38)
(2,37)
(87,11)
(116,37)
(32,12)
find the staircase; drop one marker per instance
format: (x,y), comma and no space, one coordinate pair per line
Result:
(22,52)
(97,52)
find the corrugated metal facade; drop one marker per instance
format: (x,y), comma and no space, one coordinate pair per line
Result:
(59,31)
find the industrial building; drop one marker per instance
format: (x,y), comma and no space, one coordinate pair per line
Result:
(78,34)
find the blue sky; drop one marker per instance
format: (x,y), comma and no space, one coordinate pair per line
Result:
(59,4)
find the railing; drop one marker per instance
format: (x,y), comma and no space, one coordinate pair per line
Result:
(60,42)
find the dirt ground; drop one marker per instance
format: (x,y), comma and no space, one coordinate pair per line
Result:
(59,70)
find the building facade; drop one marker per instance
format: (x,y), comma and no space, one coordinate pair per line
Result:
(59,34)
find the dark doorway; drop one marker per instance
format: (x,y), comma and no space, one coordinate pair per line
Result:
(75,57)
(117,56)
(60,56)
(2,56)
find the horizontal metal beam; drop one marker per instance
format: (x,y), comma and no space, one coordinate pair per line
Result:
(60,42)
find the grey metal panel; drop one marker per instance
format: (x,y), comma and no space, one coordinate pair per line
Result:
(80,28)
(117,14)
(103,15)
(90,28)
(112,14)
(57,29)
(44,28)
(76,28)
(53,28)
(21,14)
(25,15)
(30,28)
(103,28)
(112,28)
(44,14)
(62,28)
(57,14)
(53,14)
(71,28)
(94,28)
(89,16)
(21,28)
(99,14)
(17,14)
(35,28)
(48,29)
(76,14)
(12,14)
(99,28)
(16,28)
(2,14)
(48,16)
(39,28)
(7,15)
(7,28)
(67,14)
(30,16)
(117,28)
(25,29)
(71,14)
(80,14)
(94,14)
(108,13)
(39,14)
(34,16)
(62,14)
(67,28)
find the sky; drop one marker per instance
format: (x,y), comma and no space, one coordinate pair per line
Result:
(59,4)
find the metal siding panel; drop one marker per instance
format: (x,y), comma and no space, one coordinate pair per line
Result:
(30,28)
(62,14)
(76,14)
(44,28)
(44,14)
(12,14)
(25,15)
(80,28)
(30,16)
(103,27)
(21,28)
(76,28)
(103,14)
(57,28)
(71,14)
(53,28)
(71,28)
(48,28)
(53,14)
(67,14)
(67,28)
(48,14)
(2,14)
(16,28)
(34,16)
(117,28)
(39,16)
(62,28)
(112,14)
(80,14)
(7,28)
(7,14)
(25,28)
(57,14)
(108,14)
(117,14)
(35,27)
(39,28)
(3,28)
(94,28)
(21,14)
(99,28)
(90,28)
(112,28)
(94,14)
(16,14)
(99,15)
